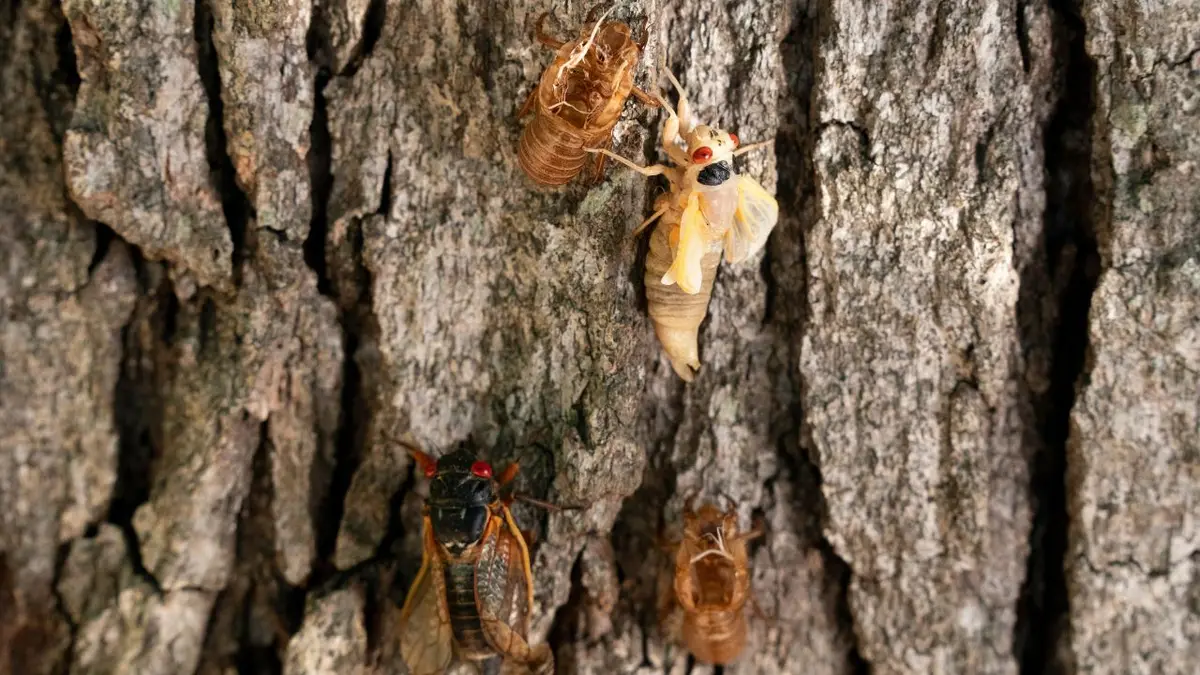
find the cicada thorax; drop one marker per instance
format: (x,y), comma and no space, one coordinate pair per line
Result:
(577,106)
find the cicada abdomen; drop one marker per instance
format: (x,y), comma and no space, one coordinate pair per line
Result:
(578,101)
(676,314)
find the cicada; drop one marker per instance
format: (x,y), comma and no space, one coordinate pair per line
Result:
(709,209)
(578,99)
(473,596)
(712,583)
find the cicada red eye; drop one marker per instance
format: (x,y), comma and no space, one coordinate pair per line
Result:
(702,154)
(430,469)
(736,141)
(482,469)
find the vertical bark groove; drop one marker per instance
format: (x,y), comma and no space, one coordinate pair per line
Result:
(234,202)
(1072,267)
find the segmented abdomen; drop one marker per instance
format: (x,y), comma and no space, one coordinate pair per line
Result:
(677,315)
(715,636)
(464,614)
(550,151)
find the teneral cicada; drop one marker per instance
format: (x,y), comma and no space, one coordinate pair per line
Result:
(712,583)
(473,595)
(709,209)
(578,99)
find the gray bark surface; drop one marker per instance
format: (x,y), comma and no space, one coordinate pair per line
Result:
(248,249)
(1135,444)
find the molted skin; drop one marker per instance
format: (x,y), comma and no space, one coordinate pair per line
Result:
(712,584)
(577,107)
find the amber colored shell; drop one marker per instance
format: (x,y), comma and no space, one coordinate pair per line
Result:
(717,587)
(578,107)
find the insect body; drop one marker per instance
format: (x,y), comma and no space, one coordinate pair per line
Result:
(709,209)
(474,593)
(712,583)
(578,100)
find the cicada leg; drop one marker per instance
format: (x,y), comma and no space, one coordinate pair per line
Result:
(644,98)
(509,473)
(598,168)
(683,110)
(653,170)
(653,217)
(540,35)
(528,105)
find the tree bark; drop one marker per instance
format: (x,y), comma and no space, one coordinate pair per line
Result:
(249,248)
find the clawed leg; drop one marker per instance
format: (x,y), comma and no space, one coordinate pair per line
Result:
(753,146)
(646,223)
(529,101)
(540,35)
(598,168)
(653,170)
(644,98)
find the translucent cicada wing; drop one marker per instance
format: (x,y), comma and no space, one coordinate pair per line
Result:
(502,590)
(425,637)
(694,237)
(504,593)
(756,215)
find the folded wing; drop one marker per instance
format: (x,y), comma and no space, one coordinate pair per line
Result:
(425,636)
(756,215)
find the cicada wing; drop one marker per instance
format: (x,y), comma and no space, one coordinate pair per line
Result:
(694,236)
(504,593)
(425,637)
(718,204)
(755,217)
(501,589)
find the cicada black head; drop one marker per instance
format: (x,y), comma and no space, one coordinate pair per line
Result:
(460,495)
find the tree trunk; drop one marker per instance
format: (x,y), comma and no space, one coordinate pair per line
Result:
(250,247)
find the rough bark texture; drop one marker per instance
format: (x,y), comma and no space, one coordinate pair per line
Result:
(248,247)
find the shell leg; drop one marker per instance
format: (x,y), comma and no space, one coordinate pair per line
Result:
(528,105)
(540,35)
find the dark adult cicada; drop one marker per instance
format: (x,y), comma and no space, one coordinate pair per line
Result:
(474,593)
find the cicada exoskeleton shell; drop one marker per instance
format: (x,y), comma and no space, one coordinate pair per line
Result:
(712,583)
(577,101)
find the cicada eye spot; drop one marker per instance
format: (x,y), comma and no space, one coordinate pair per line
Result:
(482,469)
(736,141)
(702,154)
(430,469)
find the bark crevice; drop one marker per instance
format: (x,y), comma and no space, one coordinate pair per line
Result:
(1068,251)
(235,204)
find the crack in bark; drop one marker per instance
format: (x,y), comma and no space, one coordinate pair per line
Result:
(138,403)
(234,203)
(373,22)
(1072,262)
